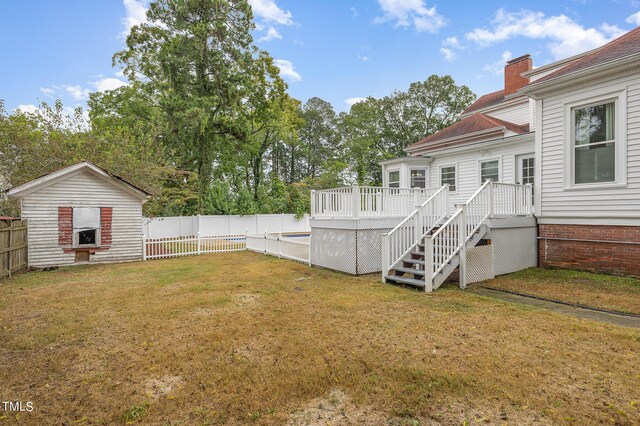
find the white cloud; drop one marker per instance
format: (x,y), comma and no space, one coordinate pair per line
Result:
(108,83)
(271,34)
(298,42)
(449,55)
(27,108)
(270,12)
(48,92)
(363,58)
(498,66)
(287,70)
(449,47)
(566,37)
(353,101)
(77,92)
(411,12)
(634,19)
(136,11)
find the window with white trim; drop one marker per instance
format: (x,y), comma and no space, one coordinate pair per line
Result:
(394,179)
(418,178)
(594,143)
(86,226)
(489,170)
(448,176)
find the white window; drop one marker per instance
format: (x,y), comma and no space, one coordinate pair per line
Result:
(594,143)
(448,176)
(394,179)
(418,178)
(489,170)
(86,226)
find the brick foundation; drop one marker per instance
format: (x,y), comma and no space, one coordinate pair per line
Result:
(602,248)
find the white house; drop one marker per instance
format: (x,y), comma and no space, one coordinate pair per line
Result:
(557,148)
(81,214)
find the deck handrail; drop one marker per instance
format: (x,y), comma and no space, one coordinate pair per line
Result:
(398,242)
(367,201)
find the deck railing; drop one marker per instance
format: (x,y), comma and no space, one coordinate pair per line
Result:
(367,201)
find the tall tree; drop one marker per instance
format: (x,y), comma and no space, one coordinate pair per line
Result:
(196,61)
(319,135)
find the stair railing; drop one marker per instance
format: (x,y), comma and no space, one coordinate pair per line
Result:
(447,241)
(490,199)
(398,242)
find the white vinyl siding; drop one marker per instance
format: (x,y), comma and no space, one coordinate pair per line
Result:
(611,202)
(84,189)
(518,113)
(468,165)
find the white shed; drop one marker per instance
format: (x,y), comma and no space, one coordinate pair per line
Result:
(81,214)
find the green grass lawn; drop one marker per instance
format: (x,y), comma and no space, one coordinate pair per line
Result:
(585,288)
(245,338)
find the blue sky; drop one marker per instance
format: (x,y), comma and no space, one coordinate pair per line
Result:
(339,50)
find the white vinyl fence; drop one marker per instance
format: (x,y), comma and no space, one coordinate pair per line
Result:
(284,246)
(181,226)
(193,235)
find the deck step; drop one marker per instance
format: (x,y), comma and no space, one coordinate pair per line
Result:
(402,280)
(414,261)
(409,271)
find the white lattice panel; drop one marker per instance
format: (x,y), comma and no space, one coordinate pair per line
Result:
(480,264)
(334,249)
(369,254)
(514,249)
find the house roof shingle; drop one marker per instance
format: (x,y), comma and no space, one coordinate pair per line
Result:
(474,123)
(485,101)
(625,45)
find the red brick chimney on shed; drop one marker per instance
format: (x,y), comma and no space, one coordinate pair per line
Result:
(512,78)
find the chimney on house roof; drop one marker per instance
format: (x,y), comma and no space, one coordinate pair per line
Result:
(513,79)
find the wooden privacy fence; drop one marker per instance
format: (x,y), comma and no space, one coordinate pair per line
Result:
(13,247)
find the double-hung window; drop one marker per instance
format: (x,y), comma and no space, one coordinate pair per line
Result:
(489,170)
(448,176)
(394,179)
(594,143)
(418,178)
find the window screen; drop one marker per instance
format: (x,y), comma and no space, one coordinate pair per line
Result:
(490,170)
(448,176)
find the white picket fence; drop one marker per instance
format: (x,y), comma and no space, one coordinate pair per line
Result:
(281,245)
(190,245)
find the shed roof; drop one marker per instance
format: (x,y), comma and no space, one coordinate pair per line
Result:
(59,175)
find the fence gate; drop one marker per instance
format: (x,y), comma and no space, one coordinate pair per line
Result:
(13,247)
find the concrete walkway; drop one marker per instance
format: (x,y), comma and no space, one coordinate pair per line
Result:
(621,320)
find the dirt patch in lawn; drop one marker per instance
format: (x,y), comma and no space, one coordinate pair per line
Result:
(164,386)
(583,288)
(228,339)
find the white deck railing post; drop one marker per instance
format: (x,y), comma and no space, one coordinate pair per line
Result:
(355,193)
(385,256)
(428,265)
(490,198)
(462,243)
(529,195)
(313,202)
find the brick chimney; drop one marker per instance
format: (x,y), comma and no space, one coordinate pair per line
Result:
(512,78)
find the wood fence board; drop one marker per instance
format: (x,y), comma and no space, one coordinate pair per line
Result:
(13,247)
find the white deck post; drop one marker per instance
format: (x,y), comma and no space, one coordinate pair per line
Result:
(529,195)
(490,193)
(313,202)
(462,242)
(355,192)
(385,256)
(428,265)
